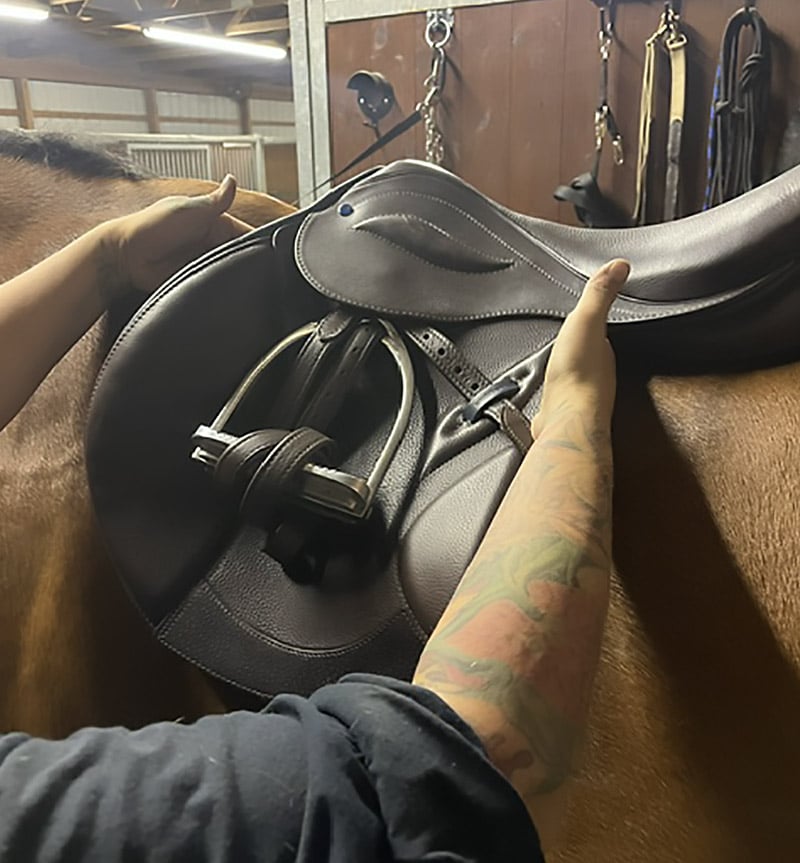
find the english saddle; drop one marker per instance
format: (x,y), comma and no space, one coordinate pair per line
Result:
(296,444)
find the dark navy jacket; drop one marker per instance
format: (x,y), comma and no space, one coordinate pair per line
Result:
(364,771)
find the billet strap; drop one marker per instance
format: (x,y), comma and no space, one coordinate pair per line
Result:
(485,398)
(667,36)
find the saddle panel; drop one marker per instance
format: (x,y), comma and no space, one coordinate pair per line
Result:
(417,248)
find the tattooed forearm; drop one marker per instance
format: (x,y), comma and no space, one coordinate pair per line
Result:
(516,650)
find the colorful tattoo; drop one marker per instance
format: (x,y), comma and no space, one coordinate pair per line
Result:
(517,647)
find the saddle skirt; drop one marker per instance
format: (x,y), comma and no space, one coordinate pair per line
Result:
(296,445)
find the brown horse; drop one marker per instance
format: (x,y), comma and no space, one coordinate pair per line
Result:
(693,752)
(73,650)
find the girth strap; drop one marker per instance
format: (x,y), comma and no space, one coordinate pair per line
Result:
(489,398)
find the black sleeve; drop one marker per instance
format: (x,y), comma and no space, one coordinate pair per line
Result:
(369,769)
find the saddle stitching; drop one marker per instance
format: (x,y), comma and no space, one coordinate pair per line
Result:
(470,218)
(416,257)
(171,283)
(365,226)
(320,653)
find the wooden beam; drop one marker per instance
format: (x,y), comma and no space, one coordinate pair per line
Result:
(64,114)
(68,70)
(22,92)
(151,107)
(248,28)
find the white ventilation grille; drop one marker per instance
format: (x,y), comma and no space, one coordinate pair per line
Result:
(174,160)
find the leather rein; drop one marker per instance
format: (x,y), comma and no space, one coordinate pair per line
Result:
(671,39)
(739,110)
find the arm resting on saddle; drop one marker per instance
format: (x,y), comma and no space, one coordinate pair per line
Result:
(44,311)
(516,650)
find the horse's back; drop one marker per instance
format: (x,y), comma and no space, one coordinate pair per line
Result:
(74,650)
(693,753)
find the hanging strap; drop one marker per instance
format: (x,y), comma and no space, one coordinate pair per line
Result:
(739,111)
(592,207)
(395,132)
(669,37)
(605,124)
(438,31)
(676,46)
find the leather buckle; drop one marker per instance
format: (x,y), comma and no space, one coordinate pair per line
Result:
(475,408)
(334,491)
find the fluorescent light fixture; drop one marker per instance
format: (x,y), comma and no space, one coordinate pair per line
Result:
(23,13)
(215,43)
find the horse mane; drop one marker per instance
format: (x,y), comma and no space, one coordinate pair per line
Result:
(80,157)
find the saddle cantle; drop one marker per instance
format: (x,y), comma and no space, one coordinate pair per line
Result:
(296,445)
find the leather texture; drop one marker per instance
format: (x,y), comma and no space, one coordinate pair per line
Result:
(414,245)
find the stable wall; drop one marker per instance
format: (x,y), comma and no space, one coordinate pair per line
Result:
(523,85)
(79,108)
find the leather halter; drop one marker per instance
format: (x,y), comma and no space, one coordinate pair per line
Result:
(739,110)
(592,207)
(669,36)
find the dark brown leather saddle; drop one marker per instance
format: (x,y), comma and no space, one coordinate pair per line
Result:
(296,445)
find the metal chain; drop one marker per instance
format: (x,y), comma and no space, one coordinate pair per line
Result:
(604,122)
(437,35)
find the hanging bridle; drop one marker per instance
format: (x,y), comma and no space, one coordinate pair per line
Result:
(670,38)
(592,207)
(739,110)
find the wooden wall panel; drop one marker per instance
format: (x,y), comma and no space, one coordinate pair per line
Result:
(522,88)
(281,169)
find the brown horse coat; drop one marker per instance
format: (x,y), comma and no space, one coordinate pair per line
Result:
(73,650)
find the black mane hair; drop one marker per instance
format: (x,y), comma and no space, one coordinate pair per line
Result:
(68,153)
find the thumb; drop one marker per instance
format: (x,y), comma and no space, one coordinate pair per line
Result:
(602,289)
(222,197)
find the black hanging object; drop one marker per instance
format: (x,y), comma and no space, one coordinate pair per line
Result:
(592,207)
(375,95)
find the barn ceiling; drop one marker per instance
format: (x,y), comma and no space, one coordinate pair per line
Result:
(106,34)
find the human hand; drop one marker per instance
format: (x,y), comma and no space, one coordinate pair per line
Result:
(581,372)
(144,249)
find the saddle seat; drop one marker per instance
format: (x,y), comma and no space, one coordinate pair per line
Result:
(275,515)
(443,219)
